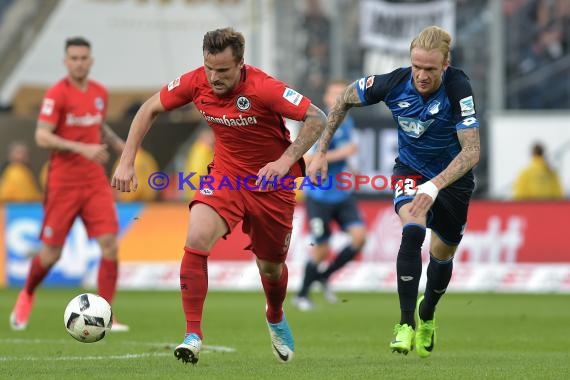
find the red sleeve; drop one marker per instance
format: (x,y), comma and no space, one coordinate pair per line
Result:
(179,92)
(52,105)
(283,100)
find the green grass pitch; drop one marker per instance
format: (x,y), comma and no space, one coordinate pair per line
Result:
(480,336)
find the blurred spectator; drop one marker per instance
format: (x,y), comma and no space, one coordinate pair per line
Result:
(547,44)
(200,155)
(17,181)
(538,180)
(145,166)
(537,38)
(317,28)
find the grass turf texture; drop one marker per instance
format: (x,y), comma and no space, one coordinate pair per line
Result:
(488,336)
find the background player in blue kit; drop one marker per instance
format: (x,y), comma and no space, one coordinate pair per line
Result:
(332,203)
(438,138)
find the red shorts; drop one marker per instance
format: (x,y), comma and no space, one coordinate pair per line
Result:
(267,216)
(94,204)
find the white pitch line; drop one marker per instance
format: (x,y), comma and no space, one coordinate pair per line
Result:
(205,348)
(74,358)
(33,341)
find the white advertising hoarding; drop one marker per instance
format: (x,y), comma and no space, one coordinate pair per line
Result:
(511,136)
(141,45)
(392,26)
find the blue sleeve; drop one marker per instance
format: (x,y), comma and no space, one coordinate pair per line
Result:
(375,88)
(460,96)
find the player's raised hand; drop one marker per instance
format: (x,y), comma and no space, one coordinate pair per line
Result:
(318,168)
(95,152)
(124,178)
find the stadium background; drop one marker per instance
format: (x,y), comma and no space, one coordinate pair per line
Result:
(521,85)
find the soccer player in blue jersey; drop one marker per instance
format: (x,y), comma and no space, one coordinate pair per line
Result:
(438,138)
(332,202)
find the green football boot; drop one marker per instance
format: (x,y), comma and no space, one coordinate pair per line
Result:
(403,342)
(425,334)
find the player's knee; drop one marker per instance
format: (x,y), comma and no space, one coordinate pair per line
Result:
(441,250)
(109,247)
(49,255)
(358,236)
(269,270)
(202,238)
(199,241)
(320,252)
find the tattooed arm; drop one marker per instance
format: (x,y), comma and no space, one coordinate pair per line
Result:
(466,160)
(314,123)
(337,114)
(349,99)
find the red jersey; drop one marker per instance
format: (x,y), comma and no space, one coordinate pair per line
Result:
(248,123)
(79,116)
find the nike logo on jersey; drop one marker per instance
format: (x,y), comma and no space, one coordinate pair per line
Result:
(406,278)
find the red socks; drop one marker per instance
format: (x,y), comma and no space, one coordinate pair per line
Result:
(193,287)
(275,292)
(36,275)
(107,278)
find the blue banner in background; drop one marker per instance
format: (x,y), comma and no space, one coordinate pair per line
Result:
(80,255)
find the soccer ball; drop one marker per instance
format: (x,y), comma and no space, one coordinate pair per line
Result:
(88,317)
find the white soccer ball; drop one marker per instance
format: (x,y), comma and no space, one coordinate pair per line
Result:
(88,317)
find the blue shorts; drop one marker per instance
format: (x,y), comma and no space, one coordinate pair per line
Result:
(447,216)
(322,214)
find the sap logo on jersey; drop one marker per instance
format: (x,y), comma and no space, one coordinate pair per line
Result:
(413,127)
(292,96)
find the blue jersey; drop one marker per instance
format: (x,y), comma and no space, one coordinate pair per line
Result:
(427,127)
(335,191)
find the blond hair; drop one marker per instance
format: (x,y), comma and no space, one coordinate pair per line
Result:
(433,37)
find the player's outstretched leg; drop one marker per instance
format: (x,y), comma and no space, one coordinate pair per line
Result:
(302,300)
(403,342)
(189,350)
(425,335)
(119,327)
(282,341)
(328,293)
(22,310)
(303,303)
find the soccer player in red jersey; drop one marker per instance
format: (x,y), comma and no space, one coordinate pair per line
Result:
(72,125)
(246,108)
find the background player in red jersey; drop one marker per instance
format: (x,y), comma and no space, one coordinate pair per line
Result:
(72,125)
(245,108)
